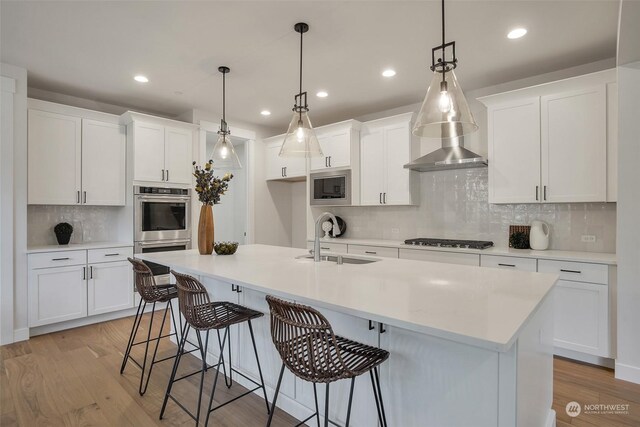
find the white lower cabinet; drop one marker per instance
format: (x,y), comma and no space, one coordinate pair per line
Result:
(57,294)
(62,286)
(373,251)
(110,287)
(440,256)
(509,262)
(581,317)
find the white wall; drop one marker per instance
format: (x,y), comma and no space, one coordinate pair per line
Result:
(14,213)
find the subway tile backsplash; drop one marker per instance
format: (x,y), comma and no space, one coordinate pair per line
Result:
(90,223)
(453,204)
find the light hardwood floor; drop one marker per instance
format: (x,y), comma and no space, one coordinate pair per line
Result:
(71,378)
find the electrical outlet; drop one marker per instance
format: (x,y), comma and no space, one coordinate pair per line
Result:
(588,238)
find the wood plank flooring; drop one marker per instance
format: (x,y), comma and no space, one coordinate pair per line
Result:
(71,378)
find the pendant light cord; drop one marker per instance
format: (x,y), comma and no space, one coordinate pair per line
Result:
(444,66)
(224,97)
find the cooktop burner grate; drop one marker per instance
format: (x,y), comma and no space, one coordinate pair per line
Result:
(450,243)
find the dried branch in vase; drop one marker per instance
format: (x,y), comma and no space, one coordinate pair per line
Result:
(209,187)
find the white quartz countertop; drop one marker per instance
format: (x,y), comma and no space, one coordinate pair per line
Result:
(77,247)
(580,256)
(484,307)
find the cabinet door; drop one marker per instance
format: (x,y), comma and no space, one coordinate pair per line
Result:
(104,151)
(397,153)
(270,361)
(110,287)
(581,317)
(148,152)
(274,163)
(574,146)
(363,411)
(295,167)
(514,152)
(57,294)
(336,149)
(372,167)
(54,149)
(322,162)
(178,159)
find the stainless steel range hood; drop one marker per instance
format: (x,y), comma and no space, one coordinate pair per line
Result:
(452,155)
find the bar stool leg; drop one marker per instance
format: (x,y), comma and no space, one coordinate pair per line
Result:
(224,368)
(181,344)
(377,393)
(215,380)
(275,397)
(255,351)
(132,335)
(146,347)
(230,383)
(353,383)
(155,352)
(203,354)
(315,397)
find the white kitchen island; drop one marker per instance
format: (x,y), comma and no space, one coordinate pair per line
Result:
(470,346)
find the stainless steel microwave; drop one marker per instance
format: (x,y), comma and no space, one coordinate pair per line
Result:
(162,213)
(330,188)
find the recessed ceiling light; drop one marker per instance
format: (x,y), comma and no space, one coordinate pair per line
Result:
(389,72)
(265,112)
(516,33)
(141,79)
(322,94)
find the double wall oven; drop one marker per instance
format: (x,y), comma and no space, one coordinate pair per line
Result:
(162,220)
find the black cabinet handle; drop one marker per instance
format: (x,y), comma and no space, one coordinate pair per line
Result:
(381,328)
(84,273)
(84,196)
(384,198)
(506,265)
(282,172)
(285,171)
(60,259)
(163,174)
(571,271)
(233,288)
(371,327)
(380,198)
(370,252)
(537,188)
(78,196)
(545,192)
(329,161)
(91,272)
(326,249)
(111,254)
(167,174)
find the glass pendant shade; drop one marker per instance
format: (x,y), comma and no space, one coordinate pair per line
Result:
(300,140)
(224,155)
(445,112)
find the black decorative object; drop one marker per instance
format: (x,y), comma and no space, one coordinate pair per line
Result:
(63,232)
(342,225)
(519,240)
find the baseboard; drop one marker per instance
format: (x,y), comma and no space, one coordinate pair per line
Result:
(84,321)
(583,357)
(21,334)
(628,373)
(551,419)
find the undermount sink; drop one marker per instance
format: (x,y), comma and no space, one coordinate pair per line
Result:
(340,259)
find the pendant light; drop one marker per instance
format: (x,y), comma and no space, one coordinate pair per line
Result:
(444,112)
(300,140)
(224,155)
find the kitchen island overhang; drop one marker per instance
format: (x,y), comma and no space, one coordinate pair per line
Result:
(503,318)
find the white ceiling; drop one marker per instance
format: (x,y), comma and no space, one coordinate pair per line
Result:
(92,49)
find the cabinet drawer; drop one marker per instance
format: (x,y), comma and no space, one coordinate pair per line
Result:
(331,247)
(508,262)
(373,250)
(57,259)
(440,256)
(576,271)
(109,254)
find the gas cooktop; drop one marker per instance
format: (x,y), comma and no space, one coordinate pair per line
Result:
(449,243)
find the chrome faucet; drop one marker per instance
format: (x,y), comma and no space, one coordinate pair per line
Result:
(316,241)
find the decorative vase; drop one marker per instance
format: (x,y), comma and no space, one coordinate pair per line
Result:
(63,238)
(205,230)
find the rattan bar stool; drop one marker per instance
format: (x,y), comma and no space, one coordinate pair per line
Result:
(201,314)
(150,293)
(309,348)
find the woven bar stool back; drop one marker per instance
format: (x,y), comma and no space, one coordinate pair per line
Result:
(195,302)
(145,282)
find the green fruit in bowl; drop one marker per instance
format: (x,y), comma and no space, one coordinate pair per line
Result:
(225,248)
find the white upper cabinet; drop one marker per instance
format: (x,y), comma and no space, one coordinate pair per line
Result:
(514,151)
(104,150)
(178,161)
(162,149)
(574,149)
(340,146)
(282,168)
(54,151)
(386,145)
(75,160)
(554,143)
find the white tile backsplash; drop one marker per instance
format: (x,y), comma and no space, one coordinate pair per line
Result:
(453,204)
(90,223)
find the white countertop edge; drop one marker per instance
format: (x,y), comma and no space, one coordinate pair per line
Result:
(496,346)
(77,247)
(578,256)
